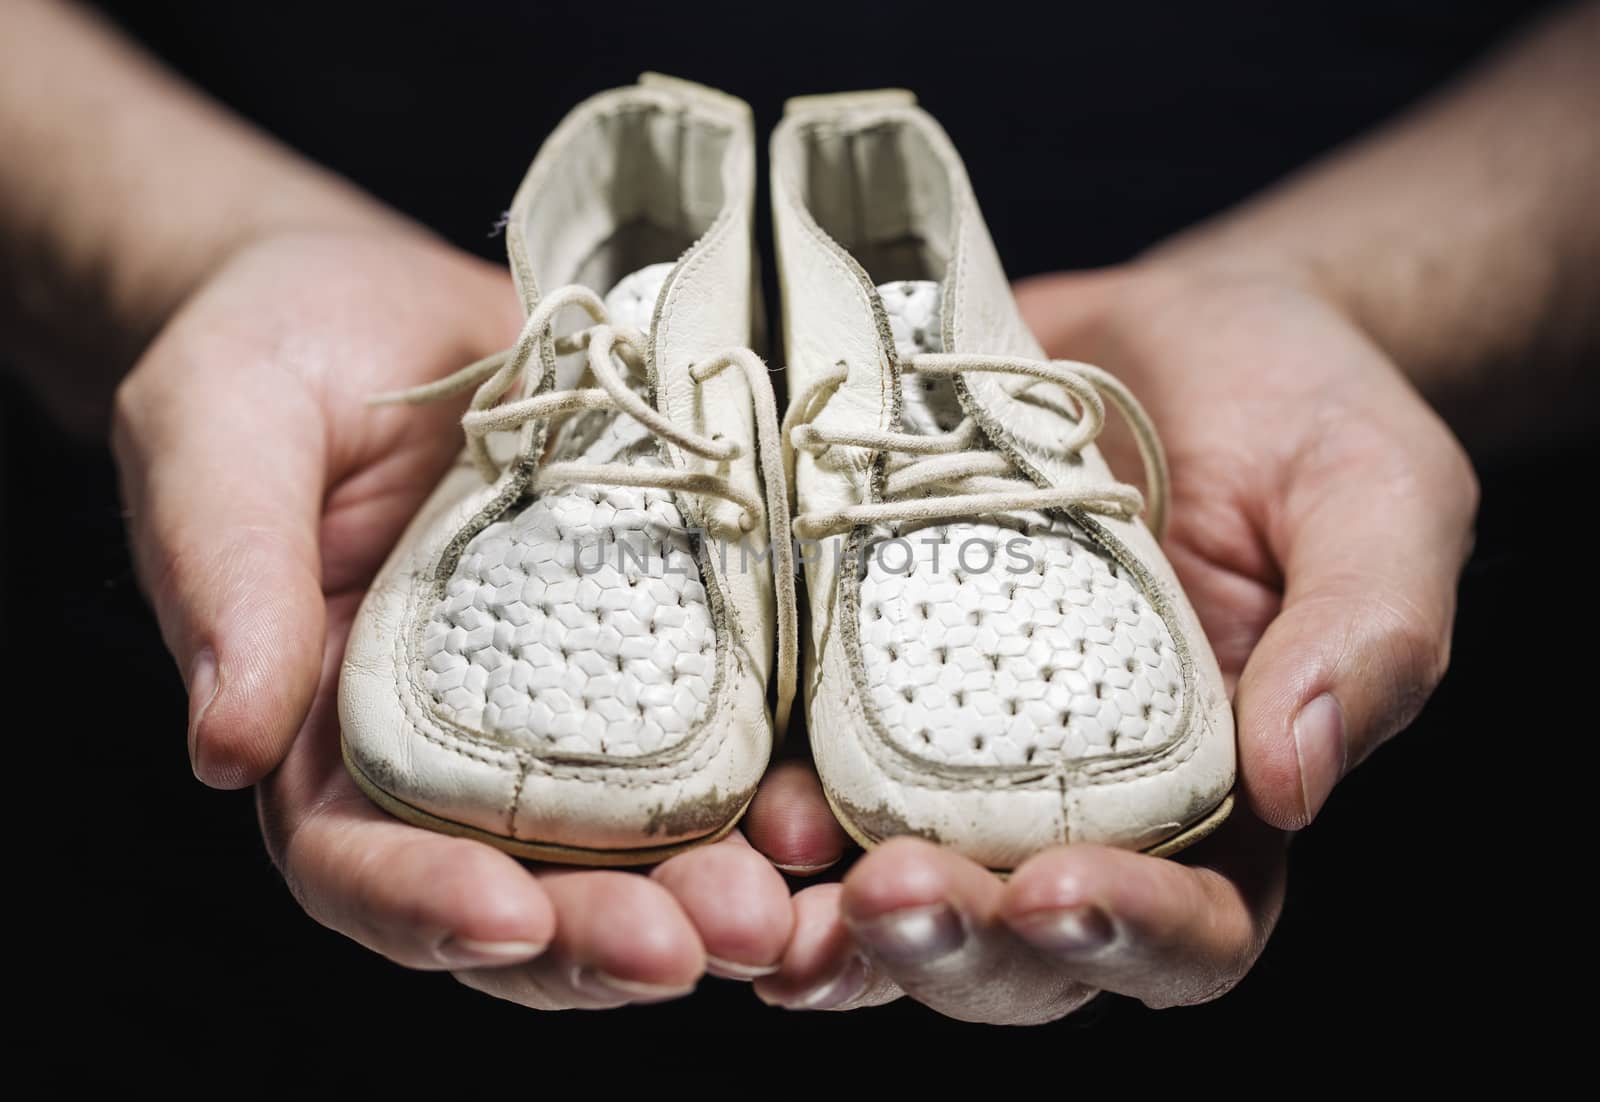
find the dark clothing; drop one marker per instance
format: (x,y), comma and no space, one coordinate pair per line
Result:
(1090,130)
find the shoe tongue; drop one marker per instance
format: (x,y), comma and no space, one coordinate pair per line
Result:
(914,313)
(609,437)
(632,301)
(915,309)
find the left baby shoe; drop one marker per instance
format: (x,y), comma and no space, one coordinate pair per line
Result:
(567,655)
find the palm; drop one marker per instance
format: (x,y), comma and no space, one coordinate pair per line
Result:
(358,316)
(1287,431)
(333,320)
(271,366)
(1267,400)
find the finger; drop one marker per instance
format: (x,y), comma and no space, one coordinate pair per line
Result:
(790,822)
(822,969)
(421,899)
(930,920)
(1234,608)
(736,901)
(1162,932)
(621,938)
(222,479)
(431,901)
(1063,308)
(1372,553)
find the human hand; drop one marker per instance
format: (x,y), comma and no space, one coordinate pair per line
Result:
(1320,517)
(263,495)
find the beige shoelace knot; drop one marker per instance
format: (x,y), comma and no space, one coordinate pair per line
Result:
(952,475)
(519,369)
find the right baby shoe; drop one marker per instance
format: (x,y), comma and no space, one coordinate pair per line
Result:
(1000,658)
(567,655)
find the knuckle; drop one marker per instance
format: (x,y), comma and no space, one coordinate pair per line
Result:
(286,838)
(1411,650)
(1469,488)
(137,413)
(1211,990)
(527,987)
(281,847)
(1051,1006)
(125,421)
(328,878)
(1206,984)
(1421,654)
(1470,495)
(1456,479)
(1441,476)
(127,401)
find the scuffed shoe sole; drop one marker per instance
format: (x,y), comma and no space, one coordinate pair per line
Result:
(1188,836)
(530,850)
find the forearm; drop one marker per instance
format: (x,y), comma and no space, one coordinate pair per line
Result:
(120,189)
(1465,237)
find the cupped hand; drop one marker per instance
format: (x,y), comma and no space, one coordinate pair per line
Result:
(263,495)
(1321,514)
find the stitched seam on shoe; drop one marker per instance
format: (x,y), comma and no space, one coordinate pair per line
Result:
(1171,760)
(405,691)
(1151,587)
(1166,760)
(872,469)
(895,764)
(688,505)
(829,250)
(725,616)
(662,323)
(516,799)
(619,103)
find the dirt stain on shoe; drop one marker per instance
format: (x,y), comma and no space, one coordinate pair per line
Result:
(881,822)
(698,816)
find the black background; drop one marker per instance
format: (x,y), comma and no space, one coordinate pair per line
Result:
(1090,131)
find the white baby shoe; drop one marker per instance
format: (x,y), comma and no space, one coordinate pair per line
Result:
(1000,657)
(568,654)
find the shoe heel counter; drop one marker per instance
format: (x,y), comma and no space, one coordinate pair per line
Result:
(830,102)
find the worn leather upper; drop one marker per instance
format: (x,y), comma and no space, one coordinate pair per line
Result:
(492,679)
(1076,701)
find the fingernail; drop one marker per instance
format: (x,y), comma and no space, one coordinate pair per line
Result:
(1320,746)
(848,985)
(468,952)
(915,935)
(1080,931)
(605,987)
(203,687)
(804,870)
(733,970)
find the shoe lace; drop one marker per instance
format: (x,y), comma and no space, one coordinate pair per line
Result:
(513,369)
(948,475)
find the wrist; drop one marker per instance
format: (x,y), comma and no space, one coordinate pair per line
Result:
(1452,332)
(158,258)
(123,191)
(1223,254)
(1376,283)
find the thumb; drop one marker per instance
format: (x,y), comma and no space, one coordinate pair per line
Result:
(1371,567)
(1066,310)
(222,478)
